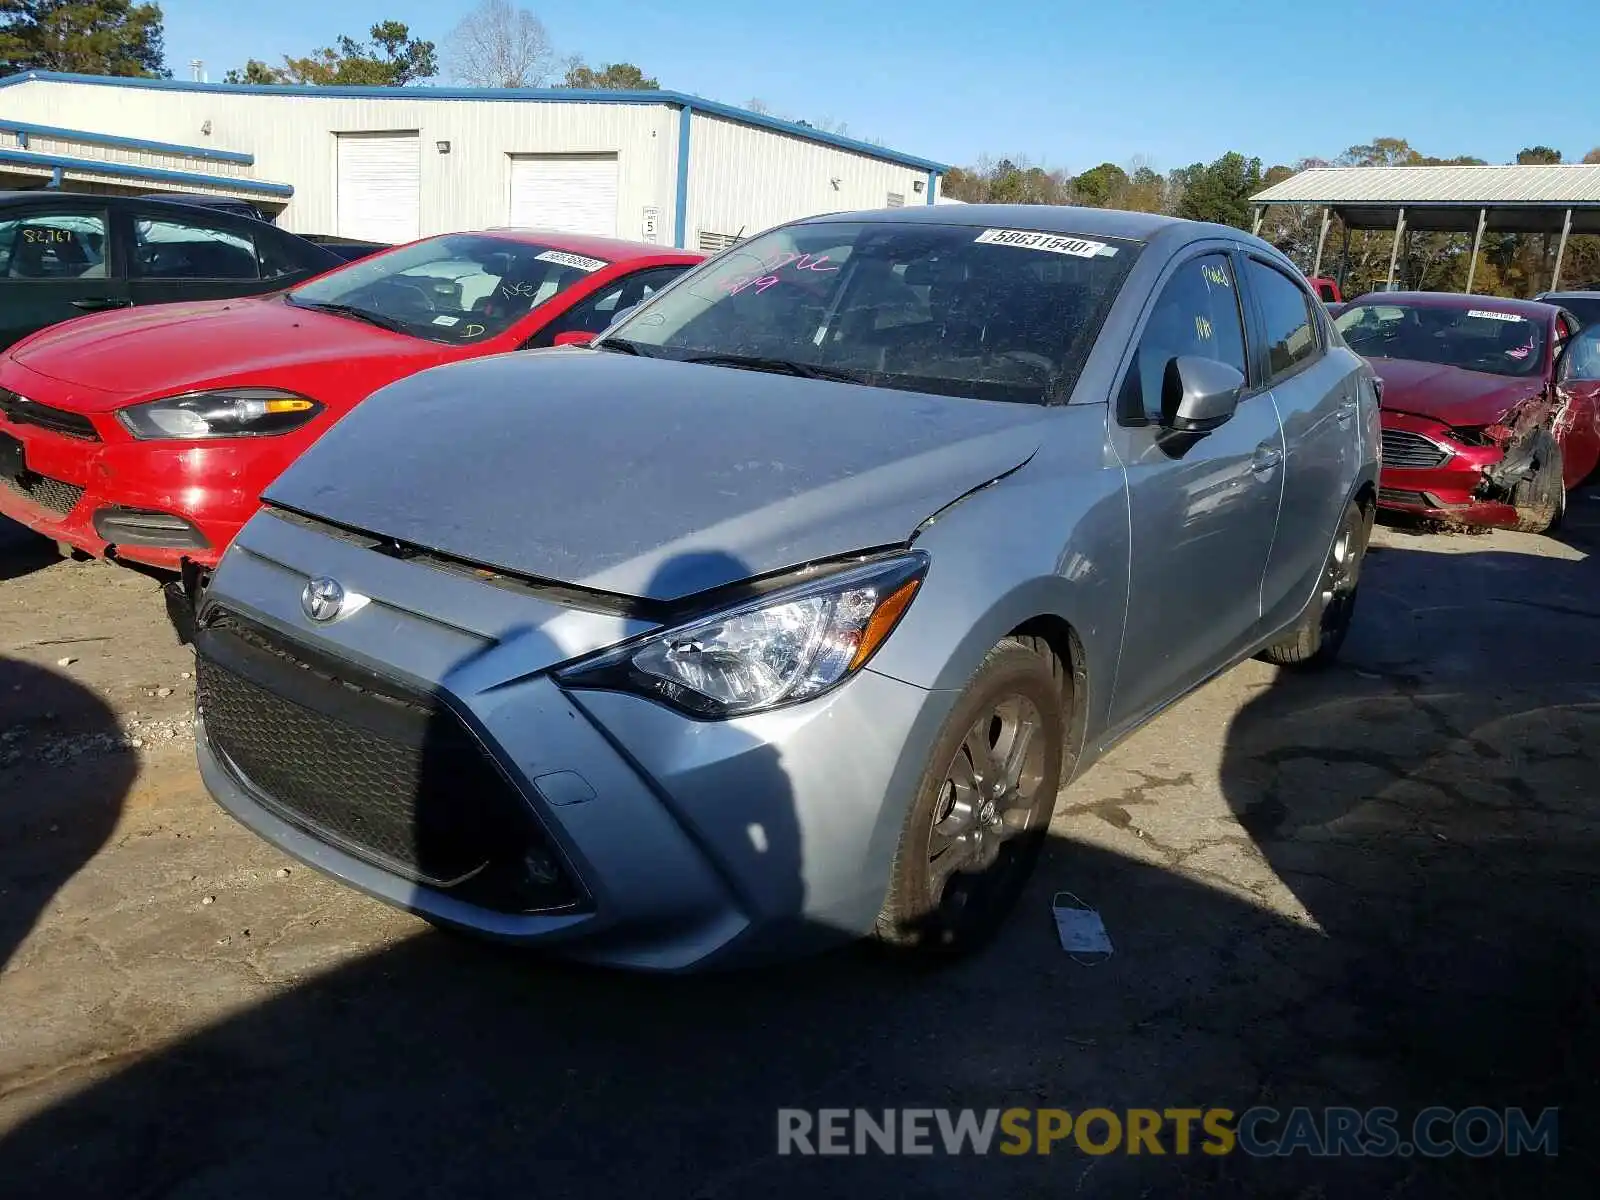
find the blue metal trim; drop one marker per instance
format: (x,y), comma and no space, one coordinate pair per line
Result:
(22,139)
(569,95)
(23,130)
(148,174)
(681,215)
(55,178)
(933,184)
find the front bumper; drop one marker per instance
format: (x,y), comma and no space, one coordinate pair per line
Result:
(688,843)
(1452,490)
(157,503)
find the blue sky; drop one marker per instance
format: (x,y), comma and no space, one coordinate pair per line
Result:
(1066,84)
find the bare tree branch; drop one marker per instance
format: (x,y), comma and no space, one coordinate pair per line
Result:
(496,45)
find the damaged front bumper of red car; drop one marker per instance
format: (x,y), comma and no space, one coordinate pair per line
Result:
(1466,476)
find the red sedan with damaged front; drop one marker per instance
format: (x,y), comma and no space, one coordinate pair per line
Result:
(149,434)
(1490,407)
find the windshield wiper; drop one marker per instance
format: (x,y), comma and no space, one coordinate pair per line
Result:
(777,366)
(620,346)
(351,311)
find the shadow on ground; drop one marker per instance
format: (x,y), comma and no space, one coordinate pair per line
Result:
(48,833)
(22,551)
(1431,803)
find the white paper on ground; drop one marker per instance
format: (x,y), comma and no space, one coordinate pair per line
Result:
(1079,927)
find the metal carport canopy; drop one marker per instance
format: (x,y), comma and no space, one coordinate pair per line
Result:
(1537,198)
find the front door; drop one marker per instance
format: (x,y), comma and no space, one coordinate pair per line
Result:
(55,264)
(1203,509)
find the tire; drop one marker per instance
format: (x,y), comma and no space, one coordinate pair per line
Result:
(939,906)
(1316,641)
(1541,498)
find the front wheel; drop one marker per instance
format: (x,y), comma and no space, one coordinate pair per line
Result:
(984,803)
(1321,632)
(1541,498)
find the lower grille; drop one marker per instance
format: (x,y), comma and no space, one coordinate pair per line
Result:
(386,775)
(1409,499)
(1411,451)
(60,498)
(146,527)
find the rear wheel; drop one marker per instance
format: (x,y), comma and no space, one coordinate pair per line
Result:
(1321,632)
(1541,498)
(984,803)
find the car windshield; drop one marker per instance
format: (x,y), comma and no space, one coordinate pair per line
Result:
(463,287)
(1474,339)
(995,314)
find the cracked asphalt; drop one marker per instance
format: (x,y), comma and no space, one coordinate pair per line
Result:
(1368,886)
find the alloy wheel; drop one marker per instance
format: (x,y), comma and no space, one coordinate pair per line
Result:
(987,800)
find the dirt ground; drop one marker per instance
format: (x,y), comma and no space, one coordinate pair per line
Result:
(1369,886)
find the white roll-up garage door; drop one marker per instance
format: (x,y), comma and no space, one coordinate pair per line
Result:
(380,186)
(575,193)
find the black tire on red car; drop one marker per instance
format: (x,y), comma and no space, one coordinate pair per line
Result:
(1541,498)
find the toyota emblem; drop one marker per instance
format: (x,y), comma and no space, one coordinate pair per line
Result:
(322,599)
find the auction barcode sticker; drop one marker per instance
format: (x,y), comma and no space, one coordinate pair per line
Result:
(572,260)
(1055,243)
(1493,316)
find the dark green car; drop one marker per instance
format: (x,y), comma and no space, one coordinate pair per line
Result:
(63,254)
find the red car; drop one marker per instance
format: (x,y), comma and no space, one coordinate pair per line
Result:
(149,434)
(1491,408)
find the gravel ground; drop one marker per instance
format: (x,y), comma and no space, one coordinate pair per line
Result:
(1371,886)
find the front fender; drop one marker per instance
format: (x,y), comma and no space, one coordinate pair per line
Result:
(1049,541)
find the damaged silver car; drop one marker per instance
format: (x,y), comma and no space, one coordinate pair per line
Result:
(779,614)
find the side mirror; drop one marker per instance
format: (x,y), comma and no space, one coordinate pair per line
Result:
(573,337)
(1198,394)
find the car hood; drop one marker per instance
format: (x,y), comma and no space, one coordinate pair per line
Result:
(645,477)
(162,349)
(1450,394)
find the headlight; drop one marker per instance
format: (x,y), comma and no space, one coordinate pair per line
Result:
(789,645)
(226,412)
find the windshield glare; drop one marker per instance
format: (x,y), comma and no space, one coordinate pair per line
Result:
(460,288)
(959,310)
(1474,339)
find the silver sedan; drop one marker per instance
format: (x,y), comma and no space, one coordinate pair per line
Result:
(781,612)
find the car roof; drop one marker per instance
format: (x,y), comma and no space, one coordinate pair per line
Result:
(610,249)
(1045,218)
(1579,294)
(1531,309)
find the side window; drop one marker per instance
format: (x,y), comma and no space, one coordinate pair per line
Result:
(1581,363)
(41,246)
(599,310)
(164,249)
(1287,317)
(280,256)
(1196,314)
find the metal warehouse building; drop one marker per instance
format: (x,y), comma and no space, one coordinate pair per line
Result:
(391,164)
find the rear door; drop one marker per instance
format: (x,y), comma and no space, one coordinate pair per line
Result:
(1203,509)
(1316,394)
(57,261)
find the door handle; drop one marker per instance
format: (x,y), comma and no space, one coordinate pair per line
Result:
(97,303)
(1345,412)
(1265,458)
